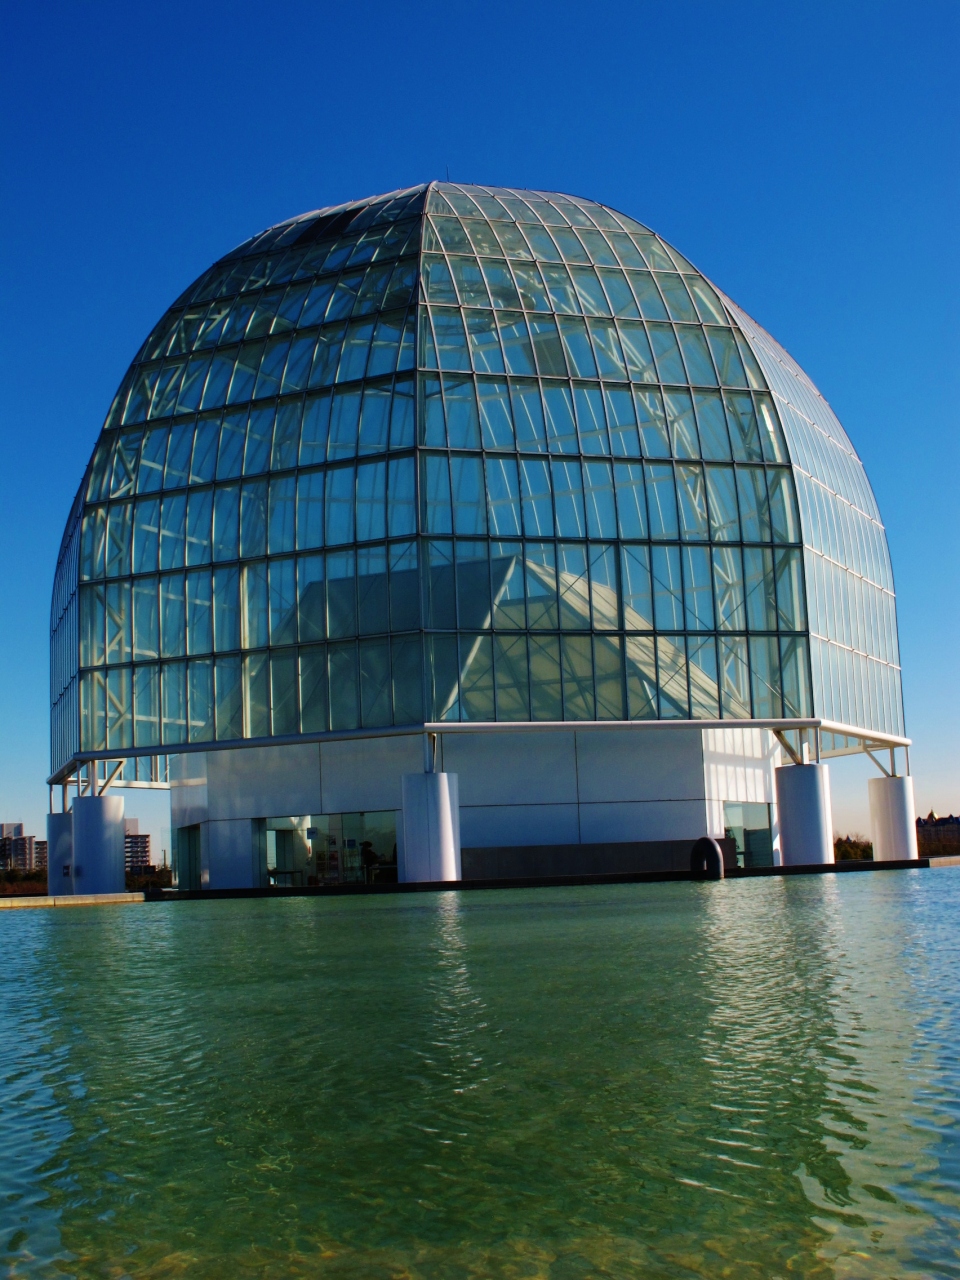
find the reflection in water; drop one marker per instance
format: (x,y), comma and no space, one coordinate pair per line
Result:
(744,1078)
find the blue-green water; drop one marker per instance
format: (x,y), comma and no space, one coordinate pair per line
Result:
(755,1078)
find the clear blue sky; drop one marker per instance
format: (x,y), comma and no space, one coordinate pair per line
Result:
(804,156)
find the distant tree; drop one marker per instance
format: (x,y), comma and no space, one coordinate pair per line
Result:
(855,848)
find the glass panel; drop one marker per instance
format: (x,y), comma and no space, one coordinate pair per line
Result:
(546,701)
(672,668)
(692,502)
(754,512)
(341,594)
(790,599)
(795,664)
(568,499)
(618,293)
(401,413)
(708,304)
(560,422)
(435,482)
(372,595)
(402,510)
(608,663)
(771,434)
(760,591)
(631,503)
(283,601)
(469,497)
(203,464)
(233,434)
(178,455)
(661,500)
(470,282)
(283,692)
(256,697)
(744,434)
(577,660)
(313,689)
(385,344)
(722,499)
(484,340)
(146,537)
(683,430)
(765,677)
(654,436)
(118,622)
(404,587)
(546,343)
(147,706)
(528,415)
(537,503)
(199,612)
(173,512)
(622,422)
(200,686)
(590,294)
(503,291)
(647,295)
(463,423)
(784,519)
(637,598)
(339,505)
(577,345)
(146,623)
(503,496)
(712,421)
(591,420)
(476,678)
(667,589)
(253,518)
(598,493)
(696,356)
(439,587)
(517,351)
(728,587)
(371,501)
(254,595)
(344,423)
(226,609)
(310,597)
(604,587)
(727,357)
(310,485)
(512,684)
(450,339)
(574,593)
(676,297)
(563,296)
(698,589)
(407,681)
(664,342)
(506,568)
(541,582)
(174,702)
(641,672)
(704,688)
(172,616)
(327,355)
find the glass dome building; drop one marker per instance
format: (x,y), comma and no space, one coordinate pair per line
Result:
(497,465)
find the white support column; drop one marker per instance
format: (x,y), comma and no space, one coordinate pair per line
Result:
(893,819)
(431,828)
(98,844)
(805,814)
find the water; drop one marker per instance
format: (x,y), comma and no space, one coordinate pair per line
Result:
(755,1078)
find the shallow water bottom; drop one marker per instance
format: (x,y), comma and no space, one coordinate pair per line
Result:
(753,1078)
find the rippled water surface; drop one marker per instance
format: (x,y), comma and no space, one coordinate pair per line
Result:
(755,1078)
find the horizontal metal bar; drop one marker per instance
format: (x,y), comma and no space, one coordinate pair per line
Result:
(866,736)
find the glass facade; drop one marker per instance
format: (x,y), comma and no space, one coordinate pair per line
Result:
(456,453)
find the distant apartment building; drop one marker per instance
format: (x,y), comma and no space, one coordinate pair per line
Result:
(938,837)
(136,847)
(19,852)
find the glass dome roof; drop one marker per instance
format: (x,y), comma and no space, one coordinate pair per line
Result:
(464,453)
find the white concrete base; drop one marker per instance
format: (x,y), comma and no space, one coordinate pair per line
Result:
(893,819)
(98,845)
(431,828)
(805,813)
(60,853)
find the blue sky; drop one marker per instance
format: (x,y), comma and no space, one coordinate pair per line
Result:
(804,156)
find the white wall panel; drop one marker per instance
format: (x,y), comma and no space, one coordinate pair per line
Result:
(501,826)
(363,775)
(641,764)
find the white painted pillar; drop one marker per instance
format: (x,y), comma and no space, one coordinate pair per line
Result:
(98,844)
(805,814)
(893,819)
(431,828)
(60,854)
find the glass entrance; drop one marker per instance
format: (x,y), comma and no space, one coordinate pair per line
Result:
(327,849)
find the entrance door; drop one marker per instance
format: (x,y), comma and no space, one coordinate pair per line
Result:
(187,857)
